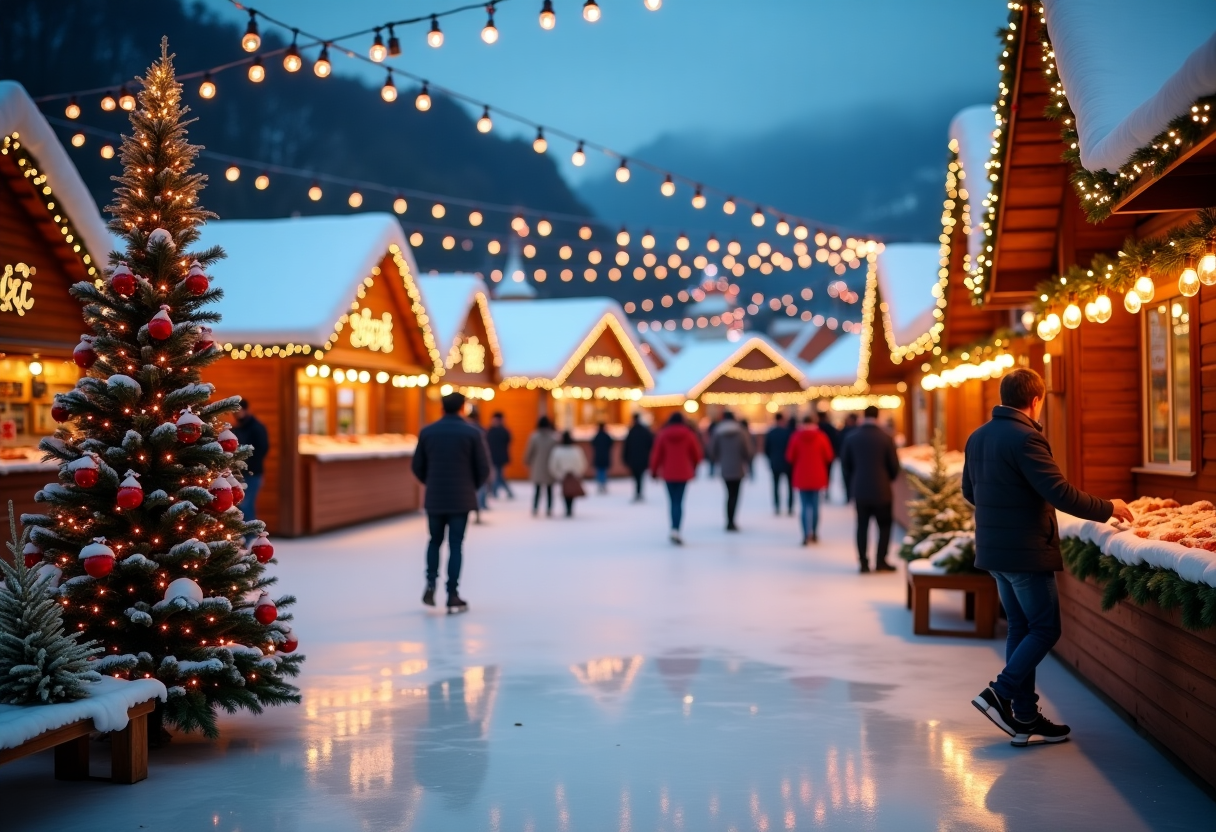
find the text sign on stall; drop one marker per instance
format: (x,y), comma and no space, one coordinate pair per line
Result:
(375,334)
(16,289)
(602,365)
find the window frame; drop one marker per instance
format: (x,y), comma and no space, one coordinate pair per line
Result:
(1174,466)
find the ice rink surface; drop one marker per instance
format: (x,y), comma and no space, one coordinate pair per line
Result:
(607,680)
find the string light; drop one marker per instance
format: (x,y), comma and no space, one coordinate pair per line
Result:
(622,172)
(78,140)
(355,199)
(489,32)
(578,158)
(233,173)
(547,17)
(728,207)
(400,205)
(539,144)
(322,67)
(668,188)
(389,91)
(1207,266)
(394,45)
(622,237)
(109,104)
(591,11)
(125,100)
(423,101)
(257,72)
(72,111)
(291,58)
(262,182)
(1188,281)
(475,218)
(251,40)
(107,151)
(758,217)
(378,51)
(434,37)
(698,199)
(314,192)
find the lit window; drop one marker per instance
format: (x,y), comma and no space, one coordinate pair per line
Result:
(1167,371)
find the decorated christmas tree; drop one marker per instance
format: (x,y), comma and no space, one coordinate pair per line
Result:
(143,520)
(39,663)
(941,522)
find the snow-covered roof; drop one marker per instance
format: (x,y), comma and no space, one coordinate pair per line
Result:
(972,130)
(660,347)
(839,364)
(700,363)
(448,298)
(1129,68)
(806,331)
(539,338)
(289,280)
(19,114)
(907,276)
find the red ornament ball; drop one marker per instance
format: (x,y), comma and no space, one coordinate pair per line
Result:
(265,612)
(130,492)
(261,548)
(228,441)
(221,494)
(84,355)
(161,325)
(33,555)
(98,558)
(189,427)
(122,281)
(60,413)
(205,340)
(290,645)
(196,282)
(85,477)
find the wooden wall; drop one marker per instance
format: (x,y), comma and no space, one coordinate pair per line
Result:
(520,408)
(345,492)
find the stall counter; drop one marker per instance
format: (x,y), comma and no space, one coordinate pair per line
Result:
(349,480)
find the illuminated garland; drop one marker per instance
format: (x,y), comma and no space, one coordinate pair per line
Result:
(868,306)
(608,321)
(483,308)
(985,359)
(744,374)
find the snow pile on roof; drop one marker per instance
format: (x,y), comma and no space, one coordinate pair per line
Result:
(19,114)
(692,366)
(538,337)
(106,705)
(838,364)
(448,299)
(972,130)
(1129,68)
(288,280)
(907,274)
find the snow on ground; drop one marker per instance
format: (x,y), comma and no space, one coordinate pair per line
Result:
(606,680)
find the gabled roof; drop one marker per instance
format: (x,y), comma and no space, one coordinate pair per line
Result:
(289,280)
(1129,68)
(701,362)
(542,340)
(839,364)
(907,281)
(662,351)
(971,130)
(19,114)
(801,348)
(448,299)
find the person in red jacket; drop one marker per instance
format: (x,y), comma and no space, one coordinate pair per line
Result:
(810,457)
(677,451)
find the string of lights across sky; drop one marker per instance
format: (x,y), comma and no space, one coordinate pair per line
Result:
(380,51)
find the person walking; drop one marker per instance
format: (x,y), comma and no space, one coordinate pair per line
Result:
(601,453)
(810,457)
(731,449)
(567,465)
(250,431)
(850,425)
(451,461)
(829,430)
(483,490)
(499,440)
(536,457)
(636,453)
(776,443)
(674,459)
(1016,487)
(869,464)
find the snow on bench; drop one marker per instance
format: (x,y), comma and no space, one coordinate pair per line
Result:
(107,705)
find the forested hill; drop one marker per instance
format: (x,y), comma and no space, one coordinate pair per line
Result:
(336,125)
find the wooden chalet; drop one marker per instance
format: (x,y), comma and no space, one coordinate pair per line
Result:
(458,309)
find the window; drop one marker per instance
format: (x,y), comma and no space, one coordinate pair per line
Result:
(1167,340)
(314,409)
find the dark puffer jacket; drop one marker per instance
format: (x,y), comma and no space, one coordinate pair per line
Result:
(452,462)
(1015,485)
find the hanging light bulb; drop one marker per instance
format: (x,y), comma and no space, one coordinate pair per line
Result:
(591,11)
(682,242)
(109,104)
(783,227)
(1188,281)
(73,109)
(698,199)
(544,228)
(125,100)
(578,158)
(78,140)
(712,244)
(728,207)
(257,72)
(291,58)
(233,173)
(205,90)
(389,91)
(622,237)
(653,5)
(1072,313)
(622,172)
(322,67)
(1132,302)
(378,51)
(1144,285)
(1053,320)
(355,199)
(107,151)
(394,45)
(668,188)
(547,18)
(262,182)
(485,124)
(251,40)
(800,231)
(647,240)
(1045,331)
(489,32)
(423,101)
(434,38)
(539,144)
(314,192)
(1091,311)
(1207,265)
(400,205)
(757,217)
(1103,308)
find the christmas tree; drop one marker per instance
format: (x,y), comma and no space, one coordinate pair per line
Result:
(153,559)
(941,522)
(39,663)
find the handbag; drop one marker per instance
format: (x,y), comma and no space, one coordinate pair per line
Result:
(572,487)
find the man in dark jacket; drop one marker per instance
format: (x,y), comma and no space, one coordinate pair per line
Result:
(499,440)
(601,456)
(869,464)
(776,441)
(1016,487)
(451,461)
(249,430)
(850,425)
(636,453)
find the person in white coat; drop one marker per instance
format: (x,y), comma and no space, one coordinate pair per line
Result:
(567,465)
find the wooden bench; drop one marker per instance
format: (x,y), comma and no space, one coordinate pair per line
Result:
(128,747)
(981,601)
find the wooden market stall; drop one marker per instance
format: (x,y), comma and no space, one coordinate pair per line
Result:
(575,360)
(326,336)
(51,236)
(458,309)
(1131,391)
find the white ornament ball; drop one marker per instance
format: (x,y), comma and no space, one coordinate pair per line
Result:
(184,588)
(160,235)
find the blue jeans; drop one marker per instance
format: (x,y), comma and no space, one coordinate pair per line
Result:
(253,484)
(454,524)
(810,512)
(675,493)
(1032,606)
(601,477)
(499,481)
(483,496)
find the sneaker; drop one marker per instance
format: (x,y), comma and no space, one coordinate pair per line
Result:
(1038,731)
(997,708)
(428,597)
(884,567)
(865,567)
(456,604)
(675,537)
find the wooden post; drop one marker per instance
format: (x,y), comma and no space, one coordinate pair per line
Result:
(129,751)
(72,759)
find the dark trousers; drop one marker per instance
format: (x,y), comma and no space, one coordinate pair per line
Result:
(789,487)
(675,494)
(548,497)
(732,499)
(569,506)
(638,476)
(1032,606)
(454,524)
(880,512)
(499,481)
